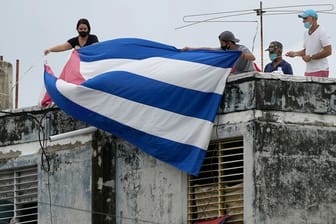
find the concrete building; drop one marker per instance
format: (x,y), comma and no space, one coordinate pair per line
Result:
(271,159)
(6,82)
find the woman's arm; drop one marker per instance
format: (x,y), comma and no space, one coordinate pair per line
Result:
(58,48)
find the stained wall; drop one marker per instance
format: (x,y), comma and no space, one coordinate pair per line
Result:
(288,124)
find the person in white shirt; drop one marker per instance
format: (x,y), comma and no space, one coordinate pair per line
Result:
(316,48)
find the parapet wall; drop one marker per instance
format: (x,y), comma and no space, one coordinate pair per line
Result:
(264,91)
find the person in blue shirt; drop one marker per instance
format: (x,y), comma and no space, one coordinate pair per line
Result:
(277,64)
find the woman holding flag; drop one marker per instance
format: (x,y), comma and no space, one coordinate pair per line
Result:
(83,39)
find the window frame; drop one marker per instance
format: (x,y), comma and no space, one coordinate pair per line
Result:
(19,195)
(218,189)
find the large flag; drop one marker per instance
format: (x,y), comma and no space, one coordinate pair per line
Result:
(157,97)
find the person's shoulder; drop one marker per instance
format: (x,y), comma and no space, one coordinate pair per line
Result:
(243,48)
(321,27)
(73,39)
(93,38)
(268,67)
(322,30)
(284,62)
(93,35)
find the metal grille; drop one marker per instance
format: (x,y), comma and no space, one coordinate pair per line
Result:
(18,196)
(218,189)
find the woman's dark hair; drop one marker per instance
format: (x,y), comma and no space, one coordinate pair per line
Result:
(83,21)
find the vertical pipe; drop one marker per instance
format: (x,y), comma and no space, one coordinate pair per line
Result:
(17,84)
(261,37)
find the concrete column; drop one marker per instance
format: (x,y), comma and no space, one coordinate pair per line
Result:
(6,82)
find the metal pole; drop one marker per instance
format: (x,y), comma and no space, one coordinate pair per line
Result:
(71,134)
(261,37)
(17,84)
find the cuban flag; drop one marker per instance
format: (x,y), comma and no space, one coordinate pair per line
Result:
(155,96)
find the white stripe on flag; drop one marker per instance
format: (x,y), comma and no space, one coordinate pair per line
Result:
(190,75)
(90,70)
(151,120)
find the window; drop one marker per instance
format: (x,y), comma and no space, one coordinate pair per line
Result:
(18,195)
(218,189)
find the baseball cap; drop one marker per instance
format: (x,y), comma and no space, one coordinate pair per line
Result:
(228,36)
(274,45)
(308,12)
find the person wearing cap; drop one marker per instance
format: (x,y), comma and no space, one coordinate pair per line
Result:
(277,64)
(229,42)
(316,47)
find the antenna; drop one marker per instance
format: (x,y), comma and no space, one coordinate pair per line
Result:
(260,13)
(196,19)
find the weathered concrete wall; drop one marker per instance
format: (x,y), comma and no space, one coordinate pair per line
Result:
(103,178)
(6,83)
(96,178)
(148,191)
(67,185)
(287,123)
(292,152)
(279,93)
(24,125)
(64,179)
(295,173)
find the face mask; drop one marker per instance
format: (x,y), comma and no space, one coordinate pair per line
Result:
(83,33)
(273,56)
(307,25)
(225,47)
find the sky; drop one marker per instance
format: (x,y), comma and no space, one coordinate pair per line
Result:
(28,27)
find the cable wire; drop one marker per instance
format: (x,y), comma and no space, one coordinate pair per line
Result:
(99,213)
(277,10)
(43,145)
(45,164)
(37,62)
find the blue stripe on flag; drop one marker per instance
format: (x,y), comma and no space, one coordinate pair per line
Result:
(158,94)
(130,48)
(134,48)
(185,157)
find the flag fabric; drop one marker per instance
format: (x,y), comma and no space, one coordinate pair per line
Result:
(155,96)
(70,73)
(256,67)
(220,220)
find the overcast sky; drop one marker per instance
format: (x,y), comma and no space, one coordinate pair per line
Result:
(30,26)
